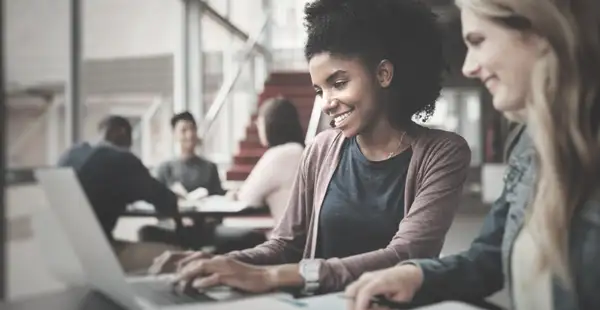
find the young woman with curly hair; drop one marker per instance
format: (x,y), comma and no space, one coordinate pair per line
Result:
(377,188)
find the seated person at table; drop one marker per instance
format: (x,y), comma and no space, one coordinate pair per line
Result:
(376,190)
(113,177)
(188,168)
(190,171)
(270,182)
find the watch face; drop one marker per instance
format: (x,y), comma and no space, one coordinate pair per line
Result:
(310,270)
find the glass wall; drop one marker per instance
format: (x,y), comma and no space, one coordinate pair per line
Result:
(459,110)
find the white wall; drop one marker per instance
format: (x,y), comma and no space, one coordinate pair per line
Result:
(37,34)
(35,40)
(117,28)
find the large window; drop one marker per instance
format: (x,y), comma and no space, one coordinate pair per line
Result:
(459,110)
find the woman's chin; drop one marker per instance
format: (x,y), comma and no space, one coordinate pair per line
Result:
(348,132)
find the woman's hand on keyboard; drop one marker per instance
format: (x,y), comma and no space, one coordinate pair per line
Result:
(221,270)
(172,261)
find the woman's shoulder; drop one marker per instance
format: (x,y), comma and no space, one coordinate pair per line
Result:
(325,138)
(286,148)
(284,151)
(324,141)
(322,149)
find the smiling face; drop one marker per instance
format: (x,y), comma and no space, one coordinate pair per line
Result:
(349,92)
(501,58)
(185,135)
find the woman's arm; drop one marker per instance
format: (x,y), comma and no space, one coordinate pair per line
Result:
(421,233)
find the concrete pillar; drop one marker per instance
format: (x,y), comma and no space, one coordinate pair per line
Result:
(267,39)
(53,131)
(3,166)
(188,78)
(74,103)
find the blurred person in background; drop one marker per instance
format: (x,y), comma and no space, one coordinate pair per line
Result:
(185,173)
(112,178)
(188,168)
(270,182)
(540,60)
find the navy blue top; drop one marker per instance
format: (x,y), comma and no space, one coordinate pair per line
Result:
(364,203)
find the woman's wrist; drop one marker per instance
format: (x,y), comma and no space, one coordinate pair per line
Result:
(284,276)
(415,274)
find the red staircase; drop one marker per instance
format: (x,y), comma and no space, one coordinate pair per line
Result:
(295,86)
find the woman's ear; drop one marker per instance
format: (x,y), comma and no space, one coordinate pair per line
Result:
(385,73)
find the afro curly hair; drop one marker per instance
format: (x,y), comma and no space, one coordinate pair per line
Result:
(404,32)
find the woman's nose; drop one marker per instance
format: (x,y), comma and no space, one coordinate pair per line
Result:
(470,67)
(329,105)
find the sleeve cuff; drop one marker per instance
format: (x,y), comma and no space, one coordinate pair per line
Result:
(424,264)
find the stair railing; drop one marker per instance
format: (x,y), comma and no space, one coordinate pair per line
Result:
(30,131)
(229,83)
(314,122)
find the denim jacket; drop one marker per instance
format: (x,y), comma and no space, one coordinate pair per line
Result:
(485,267)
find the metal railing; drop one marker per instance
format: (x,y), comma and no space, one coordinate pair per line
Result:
(145,131)
(231,28)
(231,80)
(30,131)
(314,122)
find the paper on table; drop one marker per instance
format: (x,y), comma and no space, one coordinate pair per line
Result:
(196,194)
(141,206)
(215,204)
(255,222)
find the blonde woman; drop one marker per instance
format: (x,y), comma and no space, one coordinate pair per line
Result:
(540,59)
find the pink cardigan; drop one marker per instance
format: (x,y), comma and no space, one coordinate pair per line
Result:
(271,180)
(436,174)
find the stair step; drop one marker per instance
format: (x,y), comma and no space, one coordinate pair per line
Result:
(291,90)
(299,103)
(286,78)
(297,87)
(239,172)
(252,152)
(246,143)
(302,113)
(253,138)
(295,97)
(252,130)
(241,160)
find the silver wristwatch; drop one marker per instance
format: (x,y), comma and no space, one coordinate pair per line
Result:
(309,270)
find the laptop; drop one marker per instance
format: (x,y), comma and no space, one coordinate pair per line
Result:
(77,225)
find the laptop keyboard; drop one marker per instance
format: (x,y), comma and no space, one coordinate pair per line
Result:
(162,293)
(159,291)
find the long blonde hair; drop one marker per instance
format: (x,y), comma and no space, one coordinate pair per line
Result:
(563,112)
